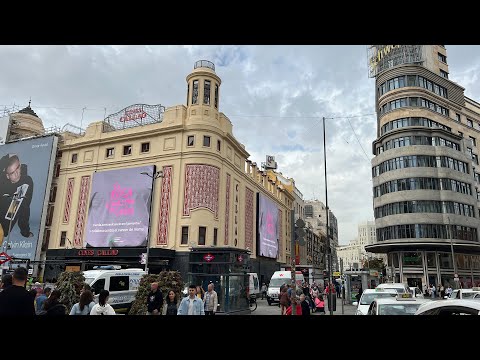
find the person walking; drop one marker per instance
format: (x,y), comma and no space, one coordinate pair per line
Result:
(103,307)
(85,305)
(191,305)
(210,300)
(305,305)
(154,300)
(15,299)
(298,307)
(264,290)
(170,306)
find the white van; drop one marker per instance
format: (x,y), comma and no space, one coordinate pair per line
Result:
(122,285)
(253,285)
(278,279)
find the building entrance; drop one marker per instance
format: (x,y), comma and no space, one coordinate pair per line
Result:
(414,282)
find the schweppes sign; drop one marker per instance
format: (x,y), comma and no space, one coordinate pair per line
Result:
(381,54)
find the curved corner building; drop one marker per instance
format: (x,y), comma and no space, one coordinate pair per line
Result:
(425,170)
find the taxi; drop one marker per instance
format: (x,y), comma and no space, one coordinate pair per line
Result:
(403,304)
(369,295)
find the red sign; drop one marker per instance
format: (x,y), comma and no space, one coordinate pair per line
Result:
(208,257)
(4,258)
(133,114)
(110,252)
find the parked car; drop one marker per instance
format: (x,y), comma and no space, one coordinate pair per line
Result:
(399,287)
(450,307)
(464,293)
(403,304)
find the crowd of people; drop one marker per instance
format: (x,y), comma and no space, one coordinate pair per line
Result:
(310,300)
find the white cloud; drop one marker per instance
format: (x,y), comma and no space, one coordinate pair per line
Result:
(286,85)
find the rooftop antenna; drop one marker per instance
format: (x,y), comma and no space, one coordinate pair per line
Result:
(30,101)
(81,121)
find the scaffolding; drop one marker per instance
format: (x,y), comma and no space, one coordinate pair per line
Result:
(384,57)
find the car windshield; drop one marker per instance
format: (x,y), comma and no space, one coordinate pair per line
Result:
(368,298)
(278,282)
(398,309)
(89,280)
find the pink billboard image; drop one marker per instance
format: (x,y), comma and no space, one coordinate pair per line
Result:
(119,208)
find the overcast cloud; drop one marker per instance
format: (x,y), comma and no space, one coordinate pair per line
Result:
(272,95)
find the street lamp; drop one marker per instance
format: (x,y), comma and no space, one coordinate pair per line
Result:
(329,249)
(154,177)
(455,278)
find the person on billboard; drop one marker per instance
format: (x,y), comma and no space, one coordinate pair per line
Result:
(16,190)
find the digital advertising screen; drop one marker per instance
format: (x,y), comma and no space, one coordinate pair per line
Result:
(267,212)
(26,170)
(119,208)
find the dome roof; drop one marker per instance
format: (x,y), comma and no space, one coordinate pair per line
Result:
(28,110)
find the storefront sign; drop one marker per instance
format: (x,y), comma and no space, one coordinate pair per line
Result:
(110,252)
(208,257)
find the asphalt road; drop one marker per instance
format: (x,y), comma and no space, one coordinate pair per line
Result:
(264,309)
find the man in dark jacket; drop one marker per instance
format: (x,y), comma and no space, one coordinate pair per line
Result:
(16,300)
(16,190)
(154,300)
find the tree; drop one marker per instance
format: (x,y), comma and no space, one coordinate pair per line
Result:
(376,264)
(70,283)
(167,280)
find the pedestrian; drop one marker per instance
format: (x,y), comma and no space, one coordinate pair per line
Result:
(103,307)
(6,281)
(86,287)
(200,292)
(449,290)
(284,300)
(43,295)
(264,290)
(319,304)
(53,306)
(337,289)
(210,300)
(191,305)
(15,299)
(154,300)
(170,306)
(305,305)
(33,293)
(85,305)
(442,292)
(298,307)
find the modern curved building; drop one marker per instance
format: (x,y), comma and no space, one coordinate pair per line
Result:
(425,170)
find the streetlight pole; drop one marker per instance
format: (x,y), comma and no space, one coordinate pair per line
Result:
(453,255)
(329,250)
(154,177)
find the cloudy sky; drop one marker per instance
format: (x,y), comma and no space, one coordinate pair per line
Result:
(275,97)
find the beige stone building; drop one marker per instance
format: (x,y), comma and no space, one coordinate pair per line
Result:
(425,171)
(205,198)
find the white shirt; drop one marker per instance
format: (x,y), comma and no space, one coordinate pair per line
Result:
(190,306)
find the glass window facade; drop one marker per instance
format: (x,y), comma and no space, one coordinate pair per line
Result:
(419,231)
(424,206)
(195,92)
(420,161)
(407,184)
(412,259)
(416,140)
(413,102)
(412,80)
(412,121)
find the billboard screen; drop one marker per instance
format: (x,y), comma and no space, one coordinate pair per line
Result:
(4,123)
(26,169)
(267,227)
(119,208)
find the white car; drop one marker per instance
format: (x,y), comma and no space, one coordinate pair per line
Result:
(450,307)
(369,295)
(395,306)
(464,293)
(399,287)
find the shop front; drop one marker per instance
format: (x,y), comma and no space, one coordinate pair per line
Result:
(227,269)
(59,260)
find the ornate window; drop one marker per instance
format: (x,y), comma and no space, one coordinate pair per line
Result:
(206,92)
(195,92)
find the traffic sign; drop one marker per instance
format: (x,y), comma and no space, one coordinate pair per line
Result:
(4,257)
(300,223)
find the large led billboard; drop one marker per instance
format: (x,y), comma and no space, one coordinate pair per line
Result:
(26,169)
(119,208)
(267,227)
(4,124)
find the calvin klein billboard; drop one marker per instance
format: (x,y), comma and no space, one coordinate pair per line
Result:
(26,170)
(267,227)
(119,208)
